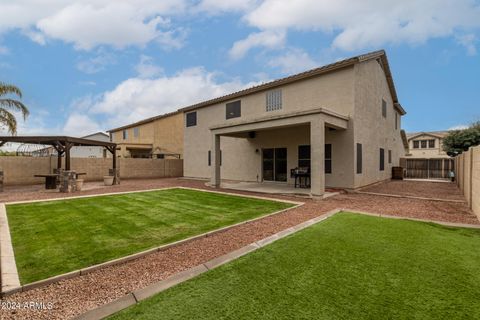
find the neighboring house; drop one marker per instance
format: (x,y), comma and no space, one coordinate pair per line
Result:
(426,145)
(157,137)
(92,152)
(342,121)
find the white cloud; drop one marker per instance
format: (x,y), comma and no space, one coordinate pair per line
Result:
(90,23)
(220,6)
(270,39)
(293,61)
(146,69)
(458,127)
(97,63)
(139,98)
(468,41)
(79,125)
(369,23)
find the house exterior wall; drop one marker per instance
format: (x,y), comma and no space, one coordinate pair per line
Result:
(370,128)
(436,152)
(91,152)
(166,134)
(333,91)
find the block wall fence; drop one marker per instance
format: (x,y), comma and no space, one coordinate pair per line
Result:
(21,170)
(467,167)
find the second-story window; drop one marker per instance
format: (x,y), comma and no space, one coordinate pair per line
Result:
(274,100)
(233,109)
(384,108)
(191,119)
(136,132)
(431,143)
(125,134)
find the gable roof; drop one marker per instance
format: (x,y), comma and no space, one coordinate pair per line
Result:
(165,115)
(436,134)
(380,55)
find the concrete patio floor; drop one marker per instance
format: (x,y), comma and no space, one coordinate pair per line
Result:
(271,188)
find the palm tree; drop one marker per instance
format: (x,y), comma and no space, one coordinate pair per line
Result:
(8,105)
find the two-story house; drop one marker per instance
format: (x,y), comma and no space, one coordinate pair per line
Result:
(426,145)
(156,137)
(342,121)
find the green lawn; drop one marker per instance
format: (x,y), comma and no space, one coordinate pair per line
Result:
(51,238)
(348,267)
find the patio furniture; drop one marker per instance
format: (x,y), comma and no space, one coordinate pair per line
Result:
(50,180)
(302,177)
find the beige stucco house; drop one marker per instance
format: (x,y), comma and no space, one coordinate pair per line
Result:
(426,145)
(156,137)
(342,121)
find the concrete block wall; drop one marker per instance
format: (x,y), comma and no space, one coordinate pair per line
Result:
(468,177)
(21,170)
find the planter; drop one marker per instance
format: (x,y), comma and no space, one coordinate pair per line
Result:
(79,184)
(108,180)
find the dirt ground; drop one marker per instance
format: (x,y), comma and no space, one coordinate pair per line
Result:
(74,296)
(434,190)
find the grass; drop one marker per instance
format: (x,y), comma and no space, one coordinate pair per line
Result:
(348,267)
(51,238)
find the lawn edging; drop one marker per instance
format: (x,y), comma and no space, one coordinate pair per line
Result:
(75,273)
(136,296)
(139,295)
(8,268)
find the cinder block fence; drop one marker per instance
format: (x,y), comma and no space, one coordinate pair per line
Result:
(21,170)
(468,177)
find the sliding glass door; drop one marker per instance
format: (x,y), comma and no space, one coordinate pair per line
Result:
(274,164)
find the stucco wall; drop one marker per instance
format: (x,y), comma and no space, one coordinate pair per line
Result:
(333,91)
(468,177)
(370,128)
(20,170)
(164,133)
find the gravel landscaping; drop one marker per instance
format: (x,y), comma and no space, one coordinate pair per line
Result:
(74,296)
(435,190)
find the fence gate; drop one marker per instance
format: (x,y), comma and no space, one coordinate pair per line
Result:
(428,168)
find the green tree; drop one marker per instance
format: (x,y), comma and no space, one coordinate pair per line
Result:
(458,141)
(9,106)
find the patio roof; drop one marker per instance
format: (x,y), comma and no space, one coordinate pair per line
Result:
(63,144)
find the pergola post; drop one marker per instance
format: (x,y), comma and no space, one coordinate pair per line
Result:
(68,146)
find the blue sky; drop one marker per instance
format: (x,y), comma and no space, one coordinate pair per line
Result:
(87,65)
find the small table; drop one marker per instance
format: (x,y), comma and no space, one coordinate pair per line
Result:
(302,176)
(50,180)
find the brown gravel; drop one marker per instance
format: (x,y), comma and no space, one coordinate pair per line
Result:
(435,190)
(74,296)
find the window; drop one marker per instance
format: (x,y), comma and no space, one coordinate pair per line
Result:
(384,108)
(416,144)
(125,134)
(304,156)
(328,158)
(396,120)
(274,100)
(431,143)
(359,158)
(389,156)
(191,119)
(423,143)
(382,159)
(136,132)
(233,109)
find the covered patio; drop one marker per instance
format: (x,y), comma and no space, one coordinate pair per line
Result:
(312,124)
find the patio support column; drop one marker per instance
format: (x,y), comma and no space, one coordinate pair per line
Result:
(215,179)
(317,156)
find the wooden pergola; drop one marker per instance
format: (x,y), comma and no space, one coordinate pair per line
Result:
(63,144)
